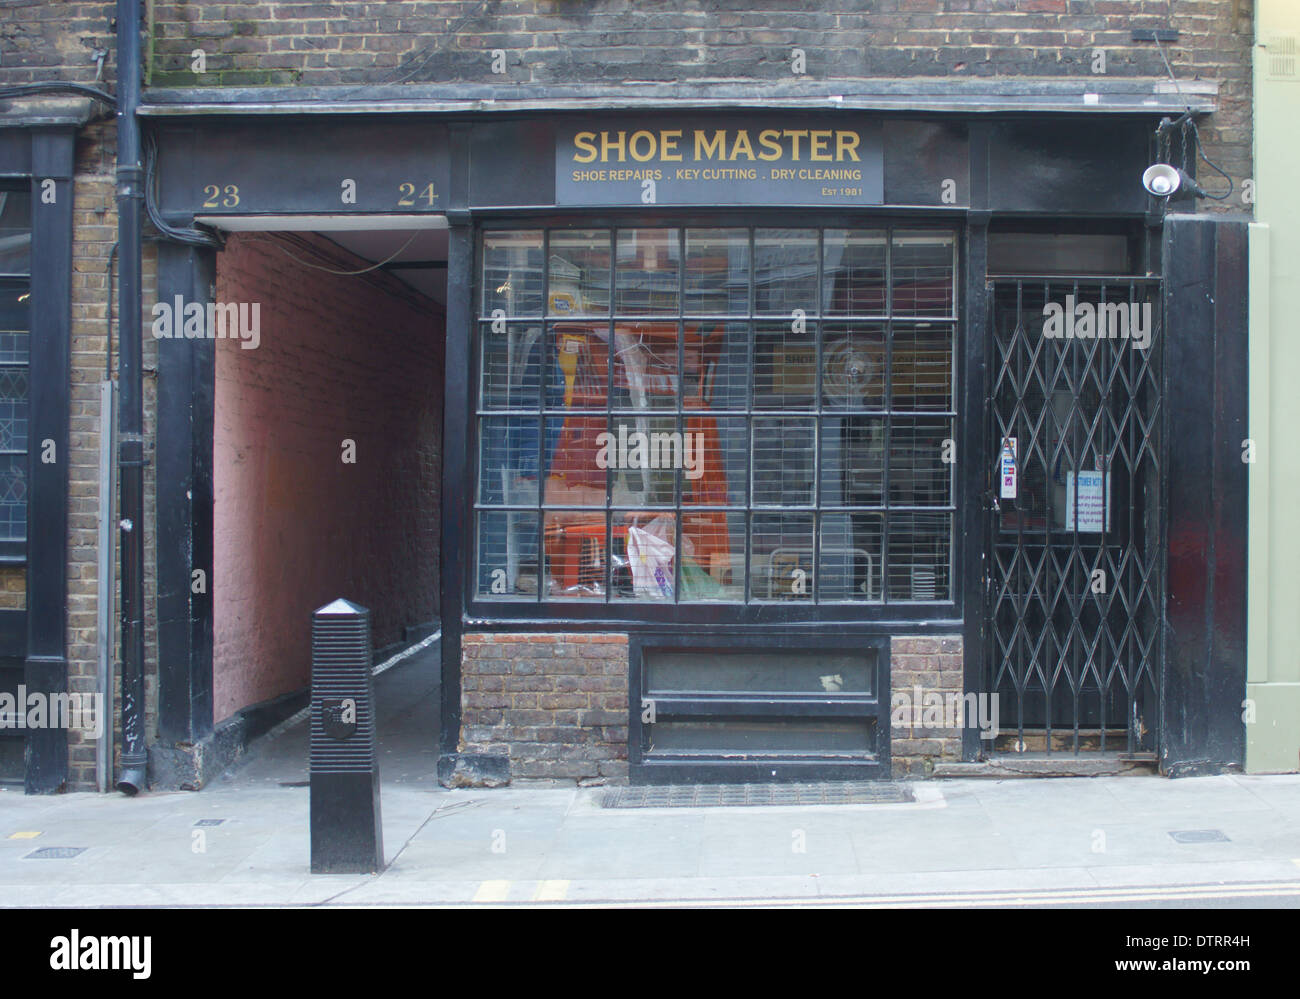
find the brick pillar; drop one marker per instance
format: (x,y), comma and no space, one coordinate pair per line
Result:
(925,684)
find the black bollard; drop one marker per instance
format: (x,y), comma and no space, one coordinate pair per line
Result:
(346,832)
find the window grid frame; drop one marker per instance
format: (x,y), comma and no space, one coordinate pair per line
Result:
(11,546)
(821,317)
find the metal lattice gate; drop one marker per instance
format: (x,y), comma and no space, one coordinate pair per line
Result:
(1076,557)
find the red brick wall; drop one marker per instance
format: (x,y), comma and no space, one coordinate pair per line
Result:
(356,358)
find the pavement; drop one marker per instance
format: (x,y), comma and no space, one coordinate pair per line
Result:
(1076,842)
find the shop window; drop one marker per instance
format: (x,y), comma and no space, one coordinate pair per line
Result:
(1044,253)
(15,296)
(735,415)
(678,672)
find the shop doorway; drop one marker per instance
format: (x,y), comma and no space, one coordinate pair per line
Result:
(1076,518)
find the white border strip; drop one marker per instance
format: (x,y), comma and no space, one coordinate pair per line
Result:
(386,665)
(406,653)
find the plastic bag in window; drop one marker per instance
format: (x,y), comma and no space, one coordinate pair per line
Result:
(651,559)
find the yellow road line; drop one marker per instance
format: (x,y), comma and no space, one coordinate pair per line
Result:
(551,891)
(1052,898)
(985,898)
(492,891)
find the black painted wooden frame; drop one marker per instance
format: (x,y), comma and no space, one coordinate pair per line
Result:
(1206,396)
(913,617)
(44,644)
(872,710)
(184,488)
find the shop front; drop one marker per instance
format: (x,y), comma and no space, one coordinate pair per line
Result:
(789,444)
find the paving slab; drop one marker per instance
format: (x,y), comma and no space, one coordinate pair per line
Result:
(1102,840)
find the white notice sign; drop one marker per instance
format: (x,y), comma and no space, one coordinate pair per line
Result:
(1094,509)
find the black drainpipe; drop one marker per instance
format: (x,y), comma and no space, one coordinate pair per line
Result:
(130,200)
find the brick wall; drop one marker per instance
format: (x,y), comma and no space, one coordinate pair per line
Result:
(921,670)
(554,704)
(94,233)
(42,40)
(571,41)
(356,358)
(616,41)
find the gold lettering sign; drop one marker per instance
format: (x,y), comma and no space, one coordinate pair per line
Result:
(721,161)
(723,145)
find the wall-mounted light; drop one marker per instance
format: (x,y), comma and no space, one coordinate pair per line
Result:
(1163,180)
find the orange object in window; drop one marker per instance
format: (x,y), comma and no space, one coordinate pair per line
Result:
(576,552)
(648,351)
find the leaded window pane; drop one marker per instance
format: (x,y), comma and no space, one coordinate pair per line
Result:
(13,497)
(15,348)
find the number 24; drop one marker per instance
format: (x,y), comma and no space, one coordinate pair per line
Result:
(407,190)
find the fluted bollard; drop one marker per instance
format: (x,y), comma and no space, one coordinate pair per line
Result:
(346,832)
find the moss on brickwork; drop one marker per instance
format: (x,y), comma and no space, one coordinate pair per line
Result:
(229,78)
(181,79)
(257,77)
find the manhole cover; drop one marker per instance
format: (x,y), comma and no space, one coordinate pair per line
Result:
(743,795)
(55,853)
(1199,836)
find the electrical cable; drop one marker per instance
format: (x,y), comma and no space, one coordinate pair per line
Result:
(330,270)
(190,235)
(1200,149)
(1170,70)
(57,87)
(1196,134)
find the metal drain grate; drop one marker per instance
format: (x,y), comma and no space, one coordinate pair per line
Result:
(749,795)
(1199,836)
(209,822)
(56,853)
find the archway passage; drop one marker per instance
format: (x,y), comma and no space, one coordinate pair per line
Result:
(327,449)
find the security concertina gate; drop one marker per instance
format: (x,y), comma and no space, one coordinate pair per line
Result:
(1076,566)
